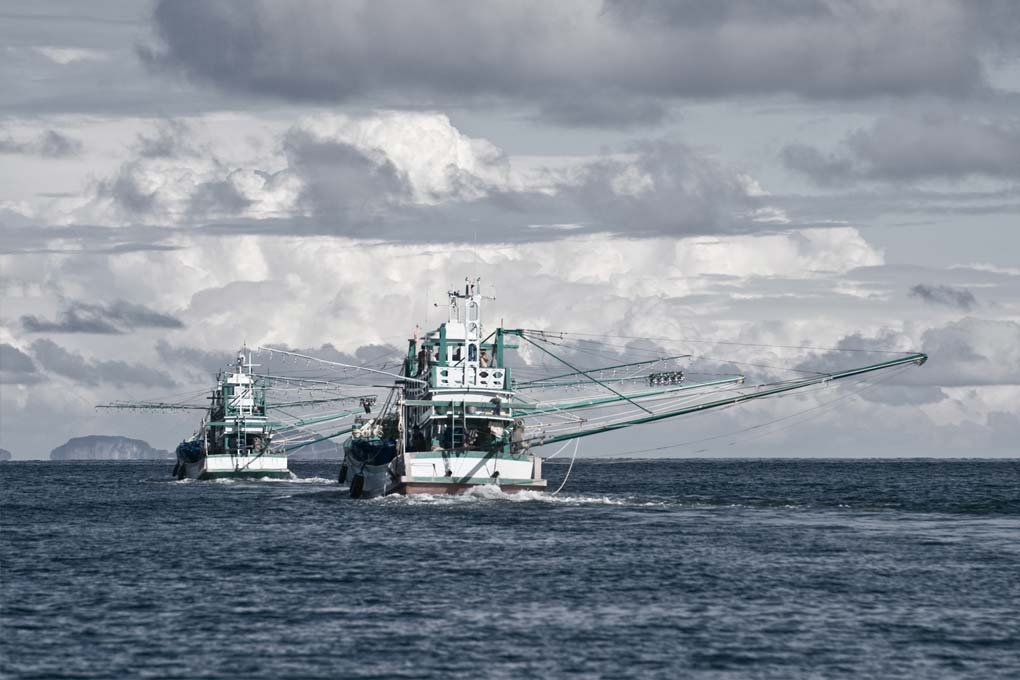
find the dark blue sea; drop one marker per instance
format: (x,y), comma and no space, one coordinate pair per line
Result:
(644,569)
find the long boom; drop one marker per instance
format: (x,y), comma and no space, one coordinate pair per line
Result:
(918,359)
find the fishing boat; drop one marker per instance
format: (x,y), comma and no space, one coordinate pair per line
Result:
(450,422)
(237,438)
(459,417)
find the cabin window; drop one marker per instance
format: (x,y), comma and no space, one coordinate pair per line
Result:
(472,311)
(472,352)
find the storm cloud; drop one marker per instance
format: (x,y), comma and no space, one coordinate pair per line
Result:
(55,359)
(907,148)
(944,295)
(48,144)
(16,367)
(570,58)
(112,319)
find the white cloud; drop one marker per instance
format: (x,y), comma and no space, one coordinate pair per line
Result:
(439,160)
(70,55)
(306,292)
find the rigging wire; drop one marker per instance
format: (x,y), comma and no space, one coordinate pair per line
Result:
(721,342)
(766,423)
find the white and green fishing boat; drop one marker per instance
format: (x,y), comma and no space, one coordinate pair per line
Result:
(460,417)
(450,423)
(237,438)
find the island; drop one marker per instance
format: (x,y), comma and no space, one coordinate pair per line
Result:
(4,455)
(107,447)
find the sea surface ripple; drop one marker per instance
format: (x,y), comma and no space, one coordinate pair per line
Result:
(651,569)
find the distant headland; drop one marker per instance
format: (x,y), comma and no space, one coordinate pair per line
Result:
(4,455)
(107,447)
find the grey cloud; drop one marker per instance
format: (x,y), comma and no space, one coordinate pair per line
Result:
(656,187)
(968,352)
(217,198)
(203,364)
(944,295)
(49,144)
(871,202)
(652,188)
(169,140)
(667,188)
(26,236)
(545,54)
(71,321)
(206,362)
(126,190)
(974,352)
(55,359)
(113,319)
(824,169)
(604,110)
(905,148)
(900,395)
(382,357)
(16,367)
(340,180)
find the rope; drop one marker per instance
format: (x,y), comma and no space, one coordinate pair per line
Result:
(577,445)
(558,451)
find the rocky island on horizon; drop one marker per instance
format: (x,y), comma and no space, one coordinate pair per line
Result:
(107,447)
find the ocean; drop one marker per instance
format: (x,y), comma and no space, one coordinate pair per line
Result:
(637,569)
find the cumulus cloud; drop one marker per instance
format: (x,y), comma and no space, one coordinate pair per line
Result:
(944,295)
(48,144)
(579,55)
(112,319)
(906,148)
(415,177)
(55,359)
(740,303)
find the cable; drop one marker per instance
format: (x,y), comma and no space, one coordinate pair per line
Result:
(577,445)
(768,422)
(719,342)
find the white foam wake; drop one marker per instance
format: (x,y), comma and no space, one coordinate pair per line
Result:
(490,493)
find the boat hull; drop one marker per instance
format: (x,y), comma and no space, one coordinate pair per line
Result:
(443,473)
(454,488)
(232,467)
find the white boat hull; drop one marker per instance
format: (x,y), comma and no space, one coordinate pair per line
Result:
(228,466)
(443,472)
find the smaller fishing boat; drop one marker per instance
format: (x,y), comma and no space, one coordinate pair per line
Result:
(238,437)
(235,437)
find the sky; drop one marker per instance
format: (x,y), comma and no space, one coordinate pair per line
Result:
(179,178)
